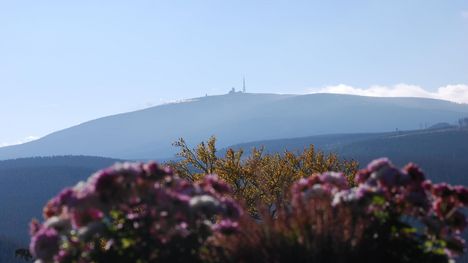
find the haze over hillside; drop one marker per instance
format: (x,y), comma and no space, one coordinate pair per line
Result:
(236,118)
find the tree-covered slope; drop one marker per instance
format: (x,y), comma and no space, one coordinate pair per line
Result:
(27,184)
(442,153)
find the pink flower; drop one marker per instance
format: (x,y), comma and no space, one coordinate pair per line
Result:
(415,173)
(362,176)
(226,227)
(45,244)
(442,190)
(34,227)
(458,221)
(387,176)
(154,170)
(204,204)
(52,208)
(214,182)
(377,164)
(335,179)
(67,197)
(83,217)
(462,194)
(455,245)
(427,185)
(231,208)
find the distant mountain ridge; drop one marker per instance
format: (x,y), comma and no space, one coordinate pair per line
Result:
(441,153)
(236,118)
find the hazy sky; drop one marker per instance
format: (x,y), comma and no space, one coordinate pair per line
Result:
(65,62)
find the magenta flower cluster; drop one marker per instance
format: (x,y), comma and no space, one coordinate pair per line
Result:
(404,200)
(134,212)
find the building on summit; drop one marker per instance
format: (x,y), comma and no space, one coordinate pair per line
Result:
(233,89)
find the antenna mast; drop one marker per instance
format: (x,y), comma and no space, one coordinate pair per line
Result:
(243,85)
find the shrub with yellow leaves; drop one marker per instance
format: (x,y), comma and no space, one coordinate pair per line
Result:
(259,178)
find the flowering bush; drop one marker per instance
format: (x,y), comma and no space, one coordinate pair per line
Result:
(145,213)
(391,215)
(405,210)
(134,213)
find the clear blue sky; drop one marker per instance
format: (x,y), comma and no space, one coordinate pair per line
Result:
(65,62)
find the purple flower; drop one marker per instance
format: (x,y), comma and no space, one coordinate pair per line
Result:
(335,179)
(455,245)
(462,194)
(214,182)
(362,194)
(85,233)
(105,181)
(343,196)
(316,191)
(415,173)
(304,183)
(83,217)
(63,256)
(34,227)
(427,185)
(226,227)
(204,204)
(377,164)
(67,197)
(362,176)
(418,199)
(58,223)
(387,175)
(232,209)
(442,190)
(153,169)
(52,208)
(135,200)
(458,221)
(45,244)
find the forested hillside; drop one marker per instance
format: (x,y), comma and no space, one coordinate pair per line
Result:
(441,152)
(27,184)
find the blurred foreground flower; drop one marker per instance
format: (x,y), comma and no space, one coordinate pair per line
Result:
(391,215)
(144,213)
(134,212)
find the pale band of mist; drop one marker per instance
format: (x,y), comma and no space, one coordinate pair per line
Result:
(455,93)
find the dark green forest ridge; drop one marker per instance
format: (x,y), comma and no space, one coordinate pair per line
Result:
(27,184)
(442,153)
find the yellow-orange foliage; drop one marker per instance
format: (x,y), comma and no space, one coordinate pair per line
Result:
(260,178)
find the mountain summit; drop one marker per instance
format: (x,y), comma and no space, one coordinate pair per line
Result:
(237,118)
